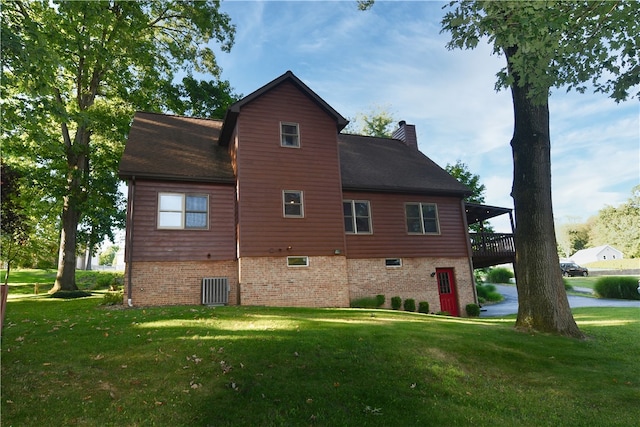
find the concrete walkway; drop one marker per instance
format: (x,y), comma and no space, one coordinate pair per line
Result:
(510,303)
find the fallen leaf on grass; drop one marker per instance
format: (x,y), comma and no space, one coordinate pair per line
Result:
(20,339)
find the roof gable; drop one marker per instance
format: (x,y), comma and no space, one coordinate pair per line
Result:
(231,116)
(175,148)
(389,165)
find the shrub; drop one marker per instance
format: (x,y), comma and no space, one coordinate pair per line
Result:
(500,275)
(619,287)
(380,300)
(488,292)
(567,286)
(396,303)
(423,307)
(410,305)
(473,310)
(364,302)
(112,298)
(480,274)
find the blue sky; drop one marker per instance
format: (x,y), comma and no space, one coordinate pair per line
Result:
(393,57)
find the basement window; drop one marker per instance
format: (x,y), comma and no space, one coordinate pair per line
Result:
(393,262)
(297,261)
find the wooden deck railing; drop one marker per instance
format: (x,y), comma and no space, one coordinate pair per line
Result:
(492,244)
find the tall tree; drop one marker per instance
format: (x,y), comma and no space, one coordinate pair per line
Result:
(72,75)
(461,172)
(547,44)
(14,225)
(377,122)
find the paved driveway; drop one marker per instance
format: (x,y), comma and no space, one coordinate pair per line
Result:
(510,303)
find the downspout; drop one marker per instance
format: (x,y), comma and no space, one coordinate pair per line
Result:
(469,249)
(129,242)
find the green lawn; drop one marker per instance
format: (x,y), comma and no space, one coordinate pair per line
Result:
(25,282)
(74,362)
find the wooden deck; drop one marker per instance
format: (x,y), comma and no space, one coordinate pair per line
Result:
(492,249)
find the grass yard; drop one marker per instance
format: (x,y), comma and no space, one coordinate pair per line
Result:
(74,362)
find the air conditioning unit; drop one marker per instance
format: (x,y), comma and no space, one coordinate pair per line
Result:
(215,291)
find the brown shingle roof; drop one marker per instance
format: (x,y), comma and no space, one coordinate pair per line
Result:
(383,164)
(176,148)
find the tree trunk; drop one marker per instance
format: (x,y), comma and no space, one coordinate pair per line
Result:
(66,276)
(78,171)
(542,299)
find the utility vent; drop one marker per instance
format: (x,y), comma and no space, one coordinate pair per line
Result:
(215,291)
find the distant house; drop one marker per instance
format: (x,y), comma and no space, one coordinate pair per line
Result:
(274,206)
(599,253)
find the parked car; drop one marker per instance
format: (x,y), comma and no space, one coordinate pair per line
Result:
(573,269)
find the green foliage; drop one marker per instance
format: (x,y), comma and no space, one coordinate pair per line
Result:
(461,172)
(409,305)
(112,298)
(365,302)
(473,310)
(94,280)
(423,307)
(107,256)
(618,226)
(377,122)
(500,275)
(380,300)
(567,285)
(488,292)
(572,237)
(73,73)
(618,287)
(396,303)
(480,274)
(557,44)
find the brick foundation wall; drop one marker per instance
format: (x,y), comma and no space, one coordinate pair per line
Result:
(370,277)
(176,283)
(269,281)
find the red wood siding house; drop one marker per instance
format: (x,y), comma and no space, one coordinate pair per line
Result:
(284,210)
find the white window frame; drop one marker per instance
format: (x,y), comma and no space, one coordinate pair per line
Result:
(182,211)
(389,262)
(284,203)
(283,134)
(354,222)
(304,259)
(422,229)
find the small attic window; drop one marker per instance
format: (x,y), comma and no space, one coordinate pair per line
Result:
(289,135)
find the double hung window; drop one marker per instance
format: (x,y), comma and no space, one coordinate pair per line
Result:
(292,203)
(357,216)
(422,218)
(183,211)
(289,135)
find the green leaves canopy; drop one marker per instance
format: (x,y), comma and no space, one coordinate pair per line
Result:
(570,44)
(73,73)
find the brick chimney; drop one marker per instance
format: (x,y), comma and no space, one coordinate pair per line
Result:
(407,134)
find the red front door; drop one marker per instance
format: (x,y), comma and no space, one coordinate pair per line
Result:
(447,291)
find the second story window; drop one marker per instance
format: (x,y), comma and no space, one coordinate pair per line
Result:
(183,211)
(292,203)
(289,135)
(357,216)
(422,218)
